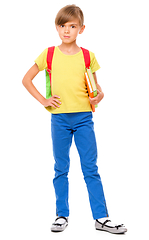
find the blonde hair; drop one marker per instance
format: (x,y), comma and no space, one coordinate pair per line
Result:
(68,13)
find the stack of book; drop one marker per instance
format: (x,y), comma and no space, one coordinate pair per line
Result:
(91,85)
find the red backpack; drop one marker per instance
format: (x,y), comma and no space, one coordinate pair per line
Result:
(50,53)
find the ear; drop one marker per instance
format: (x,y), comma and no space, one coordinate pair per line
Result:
(56,27)
(82,29)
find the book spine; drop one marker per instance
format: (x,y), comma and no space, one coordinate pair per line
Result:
(93,78)
(89,88)
(91,93)
(89,71)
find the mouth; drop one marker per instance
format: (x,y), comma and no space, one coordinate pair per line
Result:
(66,36)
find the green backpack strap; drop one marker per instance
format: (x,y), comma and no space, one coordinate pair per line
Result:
(48,72)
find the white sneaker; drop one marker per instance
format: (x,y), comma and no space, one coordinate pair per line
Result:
(117,229)
(60,224)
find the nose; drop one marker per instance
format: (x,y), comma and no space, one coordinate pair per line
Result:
(66,29)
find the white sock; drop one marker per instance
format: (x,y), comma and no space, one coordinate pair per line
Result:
(61,221)
(102,220)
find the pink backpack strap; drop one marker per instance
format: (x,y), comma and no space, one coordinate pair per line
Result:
(87,58)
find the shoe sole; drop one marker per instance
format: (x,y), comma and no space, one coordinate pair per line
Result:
(57,231)
(105,230)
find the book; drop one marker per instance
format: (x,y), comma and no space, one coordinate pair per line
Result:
(91,85)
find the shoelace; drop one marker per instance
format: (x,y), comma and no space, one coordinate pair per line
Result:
(60,224)
(116,226)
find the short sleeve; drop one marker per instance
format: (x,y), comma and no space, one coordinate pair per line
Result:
(41,60)
(94,64)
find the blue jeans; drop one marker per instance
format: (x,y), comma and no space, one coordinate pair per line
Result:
(80,125)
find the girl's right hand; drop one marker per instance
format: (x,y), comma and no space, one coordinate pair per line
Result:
(52,102)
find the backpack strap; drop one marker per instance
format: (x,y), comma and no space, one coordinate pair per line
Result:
(48,71)
(49,58)
(87,58)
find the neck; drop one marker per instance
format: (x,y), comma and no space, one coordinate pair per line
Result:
(69,48)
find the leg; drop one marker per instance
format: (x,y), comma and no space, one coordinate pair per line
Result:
(62,139)
(86,144)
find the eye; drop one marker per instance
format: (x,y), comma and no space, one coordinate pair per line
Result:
(62,26)
(72,26)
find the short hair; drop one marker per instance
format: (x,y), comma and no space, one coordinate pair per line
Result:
(68,13)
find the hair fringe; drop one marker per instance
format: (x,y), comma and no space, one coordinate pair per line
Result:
(68,13)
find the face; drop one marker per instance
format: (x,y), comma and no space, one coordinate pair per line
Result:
(69,31)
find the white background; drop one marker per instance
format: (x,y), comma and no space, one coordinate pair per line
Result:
(117,32)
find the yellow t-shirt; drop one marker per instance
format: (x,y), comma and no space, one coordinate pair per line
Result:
(68,80)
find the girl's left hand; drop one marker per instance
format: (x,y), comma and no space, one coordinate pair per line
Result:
(97,99)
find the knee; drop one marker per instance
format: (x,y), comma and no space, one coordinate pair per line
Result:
(90,172)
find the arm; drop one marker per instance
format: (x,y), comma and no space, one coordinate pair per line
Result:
(27,82)
(100,94)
